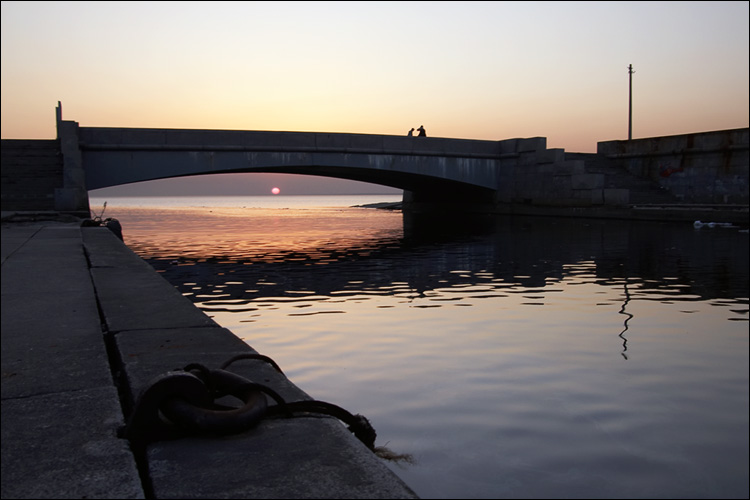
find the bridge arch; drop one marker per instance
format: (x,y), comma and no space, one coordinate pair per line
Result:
(426,169)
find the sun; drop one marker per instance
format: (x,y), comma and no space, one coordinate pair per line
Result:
(275,190)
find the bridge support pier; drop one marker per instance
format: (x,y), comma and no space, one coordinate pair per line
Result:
(449,199)
(452,211)
(72,197)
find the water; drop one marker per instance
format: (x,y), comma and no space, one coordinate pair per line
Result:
(537,358)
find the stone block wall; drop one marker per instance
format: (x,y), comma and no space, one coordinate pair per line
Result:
(701,168)
(543,177)
(31,172)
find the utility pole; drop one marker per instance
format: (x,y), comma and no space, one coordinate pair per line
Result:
(630,103)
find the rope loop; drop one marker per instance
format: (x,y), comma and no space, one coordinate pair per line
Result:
(182,403)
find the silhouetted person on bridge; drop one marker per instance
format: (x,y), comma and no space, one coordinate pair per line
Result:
(422,132)
(411,132)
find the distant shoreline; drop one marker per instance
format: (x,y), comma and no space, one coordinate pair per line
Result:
(385,205)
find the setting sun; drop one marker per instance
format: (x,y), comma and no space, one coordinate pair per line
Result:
(275,190)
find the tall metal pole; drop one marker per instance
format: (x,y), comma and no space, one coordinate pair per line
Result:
(630,102)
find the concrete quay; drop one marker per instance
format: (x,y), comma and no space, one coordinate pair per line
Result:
(86,324)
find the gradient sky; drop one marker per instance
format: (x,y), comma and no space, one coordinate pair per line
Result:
(474,70)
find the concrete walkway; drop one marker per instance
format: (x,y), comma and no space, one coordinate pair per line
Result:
(86,324)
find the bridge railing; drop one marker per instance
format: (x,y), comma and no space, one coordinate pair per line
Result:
(98,138)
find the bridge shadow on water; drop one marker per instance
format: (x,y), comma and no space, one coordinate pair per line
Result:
(441,253)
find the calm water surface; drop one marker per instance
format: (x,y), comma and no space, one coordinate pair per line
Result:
(537,358)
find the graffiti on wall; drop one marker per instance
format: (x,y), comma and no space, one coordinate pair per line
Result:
(666,169)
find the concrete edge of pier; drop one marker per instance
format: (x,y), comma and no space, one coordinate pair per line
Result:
(86,324)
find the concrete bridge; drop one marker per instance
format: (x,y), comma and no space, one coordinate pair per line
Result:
(441,175)
(459,171)
(441,167)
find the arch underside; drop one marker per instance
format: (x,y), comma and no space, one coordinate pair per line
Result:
(426,181)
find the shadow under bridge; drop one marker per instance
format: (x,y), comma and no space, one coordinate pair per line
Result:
(454,172)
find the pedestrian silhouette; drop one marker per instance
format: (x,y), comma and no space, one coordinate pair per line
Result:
(422,132)
(411,132)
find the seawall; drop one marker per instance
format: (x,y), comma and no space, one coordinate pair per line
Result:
(701,168)
(86,326)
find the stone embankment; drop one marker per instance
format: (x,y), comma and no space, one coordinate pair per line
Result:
(86,325)
(31,172)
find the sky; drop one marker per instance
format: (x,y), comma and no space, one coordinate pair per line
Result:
(472,70)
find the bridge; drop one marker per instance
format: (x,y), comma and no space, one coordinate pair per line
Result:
(519,175)
(459,171)
(114,156)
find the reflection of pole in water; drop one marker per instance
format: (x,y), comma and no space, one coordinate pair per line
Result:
(622,311)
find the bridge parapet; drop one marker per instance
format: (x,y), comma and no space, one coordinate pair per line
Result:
(103,138)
